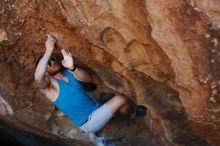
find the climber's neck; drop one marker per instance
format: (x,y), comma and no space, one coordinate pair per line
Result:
(60,76)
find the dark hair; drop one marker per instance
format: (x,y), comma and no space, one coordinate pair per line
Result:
(59,58)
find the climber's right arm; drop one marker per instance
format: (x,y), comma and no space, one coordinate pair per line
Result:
(41,79)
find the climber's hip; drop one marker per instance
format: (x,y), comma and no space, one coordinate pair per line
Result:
(97,119)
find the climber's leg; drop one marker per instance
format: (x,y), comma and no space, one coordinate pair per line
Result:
(126,106)
(119,103)
(100,117)
(97,120)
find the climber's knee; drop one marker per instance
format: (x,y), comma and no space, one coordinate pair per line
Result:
(116,103)
(120,99)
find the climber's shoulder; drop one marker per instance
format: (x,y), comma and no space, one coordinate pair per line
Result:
(51,91)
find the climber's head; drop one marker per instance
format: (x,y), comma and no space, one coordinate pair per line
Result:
(54,64)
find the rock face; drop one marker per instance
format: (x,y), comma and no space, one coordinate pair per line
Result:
(163,54)
(209,9)
(3,35)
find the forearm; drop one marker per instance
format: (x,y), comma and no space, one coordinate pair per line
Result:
(40,73)
(78,72)
(42,66)
(82,75)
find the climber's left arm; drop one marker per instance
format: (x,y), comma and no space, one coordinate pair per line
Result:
(82,75)
(78,73)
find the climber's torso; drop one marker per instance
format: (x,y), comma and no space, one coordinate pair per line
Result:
(52,90)
(69,96)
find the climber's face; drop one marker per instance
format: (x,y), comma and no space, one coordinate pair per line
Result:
(54,66)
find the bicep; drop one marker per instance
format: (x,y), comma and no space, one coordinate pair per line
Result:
(81,75)
(77,77)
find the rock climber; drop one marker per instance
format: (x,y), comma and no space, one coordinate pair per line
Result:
(59,80)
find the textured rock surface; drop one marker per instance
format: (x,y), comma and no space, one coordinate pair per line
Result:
(163,54)
(210,9)
(5,108)
(3,35)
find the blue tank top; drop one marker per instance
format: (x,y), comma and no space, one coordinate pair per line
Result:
(73,100)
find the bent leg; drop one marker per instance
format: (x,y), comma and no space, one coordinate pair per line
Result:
(119,103)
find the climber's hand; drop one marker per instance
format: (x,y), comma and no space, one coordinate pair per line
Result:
(50,43)
(67,60)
